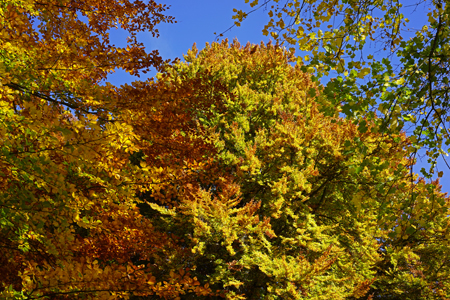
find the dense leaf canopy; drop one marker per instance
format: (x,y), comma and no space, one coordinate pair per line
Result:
(232,175)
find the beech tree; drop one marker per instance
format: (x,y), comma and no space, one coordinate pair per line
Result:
(69,225)
(383,67)
(284,200)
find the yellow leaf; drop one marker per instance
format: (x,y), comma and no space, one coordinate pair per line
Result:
(400,81)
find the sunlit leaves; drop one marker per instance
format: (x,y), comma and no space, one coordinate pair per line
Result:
(231,175)
(337,35)
(290,194)
(68,217)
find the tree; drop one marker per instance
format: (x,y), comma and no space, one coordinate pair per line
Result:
(69,224)
(285,201)
(354,43)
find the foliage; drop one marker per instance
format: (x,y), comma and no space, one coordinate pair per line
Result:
(283,201)
(69,224)
(354,43)
(230,176)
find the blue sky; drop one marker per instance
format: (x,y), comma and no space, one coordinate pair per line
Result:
(197,21)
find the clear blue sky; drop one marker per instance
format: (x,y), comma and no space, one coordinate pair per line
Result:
(198,20)
(196,23)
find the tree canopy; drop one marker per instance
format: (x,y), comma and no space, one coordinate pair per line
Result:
(382,67)
(232,175)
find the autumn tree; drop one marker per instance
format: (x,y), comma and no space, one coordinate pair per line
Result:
(69,224)
(285,200)
(383,66)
